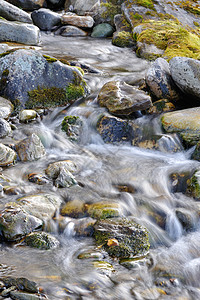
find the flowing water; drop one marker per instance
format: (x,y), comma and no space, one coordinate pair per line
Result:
(172,269)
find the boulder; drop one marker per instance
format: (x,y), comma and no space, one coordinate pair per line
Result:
(7,156)
(28,4)
(5,128)
(34,80)
(18,32)
(122,99)
(26,115)
(13,13)
(186,122)
(41,240)
(82,7)
(123,36)
(115,130)
(6,108)
(69,30)
(159,80)
(53,169)
(30,149)
(186,74)
(122,238)
(102,30)
(45,19)
(79,21)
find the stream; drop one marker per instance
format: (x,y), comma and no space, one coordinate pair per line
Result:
(174,256)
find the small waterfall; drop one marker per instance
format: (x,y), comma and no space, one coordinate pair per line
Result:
(173,227)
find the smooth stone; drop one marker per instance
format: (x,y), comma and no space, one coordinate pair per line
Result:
(16,222)
(103,210)
(81,7)
(53,169)
(7,156)
(121,98)
(159,80)
(6,108)
(39,81)
(186,74)
(30,148)
(102,30)
(45,19)
(73,31)
(186,122)
(18,32)
(41,240)
(27,115)
(79,21)
(13,13)
(73,209)
(28,4)
(5,128)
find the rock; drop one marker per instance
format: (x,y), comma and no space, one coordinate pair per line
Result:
(148,51)
(18,295)
(34,80)
(30,148)
(45,19)
(39,179)
(20,283)
(18,32)
(161,106)
(79,21)
(42,206)
(105,267)
(196,153)
(122,99)
(7,156)
(72,31)
(65,179)
(26,115)
(84,227)
(28,4)
(6,108)
(74,209)
(3,48)
(186,122)
(159,80)
(82,7)
(72,125)
(130,238)
(54,169)
(103,210)
(123,36)
(41,240)
(187,218)
(5,128)
(186,74)
(102,30)
(16,222)
(193,185)
(13,13)
(115,130)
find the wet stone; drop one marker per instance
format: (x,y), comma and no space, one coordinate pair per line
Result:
(103,210)
(13,13)
(30,149)
(5,128)
(20,283)
(6,108)
(161,106)
(53,169)
(26,115)
(65,179)
(39,179)
(132,238)
(72,125)
(41,240)
(74,209)
(7,156)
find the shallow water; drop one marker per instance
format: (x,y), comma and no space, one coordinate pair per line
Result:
(172,269)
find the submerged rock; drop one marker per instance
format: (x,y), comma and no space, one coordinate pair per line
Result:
(74,209)
(7,156)
(41,240)
(186,122)
(159,80)
(186,74)
(122,99)
(30,148)
(45,19)
(130,239)
(20,283)
(18,32)
(13,13)
(33,80)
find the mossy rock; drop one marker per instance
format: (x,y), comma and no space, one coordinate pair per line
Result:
(122,237)
(72,125)
(123,39)
(193,186)
(74,209)
(103,210)
(161,106)
(196,153)
(41,240)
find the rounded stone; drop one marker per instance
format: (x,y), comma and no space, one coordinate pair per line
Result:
(5,128)
(102,30)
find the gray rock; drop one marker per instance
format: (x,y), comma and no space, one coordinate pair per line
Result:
(102,30)
(28,4)
(13,13)
(65,179)
(18,295)
(39,81)
(81,7)
(54,169)
(159,80)
(5,128)
(122,99)
(6,108)
(18,32)
(7,156)
(186,74)
(45,19)
(73,31)
(79,21)
(3,48)
(41,240)
(148,51)
(30,148)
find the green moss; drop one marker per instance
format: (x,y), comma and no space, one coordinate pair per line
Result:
(194,186)
(145,3)
(49,59)
(196,24)
(123,39)
(67,121)
(81,70)
(170,37)
(190,6)
(74,92)
(110,11)
(8,52)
